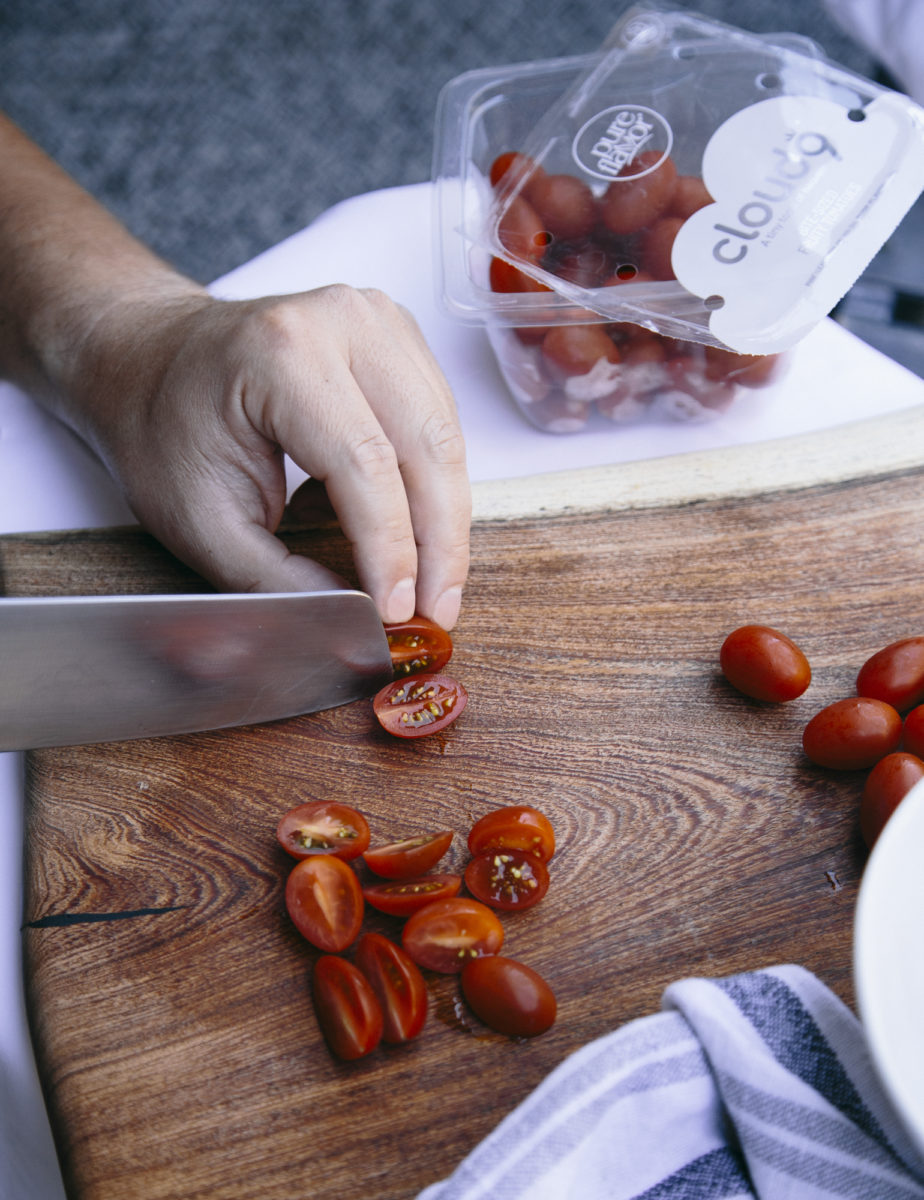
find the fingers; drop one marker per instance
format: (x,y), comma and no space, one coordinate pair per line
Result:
(369,412)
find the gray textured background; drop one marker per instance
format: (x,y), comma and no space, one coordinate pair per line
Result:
(215,128)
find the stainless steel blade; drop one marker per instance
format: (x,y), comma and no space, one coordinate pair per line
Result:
(80,669)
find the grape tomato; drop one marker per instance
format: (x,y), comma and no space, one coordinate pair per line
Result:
(419,705)
(514,827)
(413,856)
(445,935)
(508,996)
(640,194)
(764,664)
(895,674)
(346,1007)
(418,645)
(323,827)
(398,985)
(886,786)
(325,901)
(852,734)
(507,879)
(401,897)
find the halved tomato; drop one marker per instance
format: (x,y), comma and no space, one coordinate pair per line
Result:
(346,1007)
(514,827)
(507,879)
(413,856)
(446,934)
(323,827)
(398,986)
(325,902)
(419,705)
(401,897)
(418,645)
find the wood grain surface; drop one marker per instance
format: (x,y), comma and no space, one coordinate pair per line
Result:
(167,990)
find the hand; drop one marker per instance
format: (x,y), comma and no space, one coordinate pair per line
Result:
(192,401)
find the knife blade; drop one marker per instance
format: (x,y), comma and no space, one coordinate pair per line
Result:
(82,669)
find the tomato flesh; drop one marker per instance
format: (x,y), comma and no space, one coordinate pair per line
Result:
(508,996)
(887,784)
(346,1007)
(446,934)
(852,734)
(764,664)
(323,827)
(401,897)
(413,856)
(514,827)
(507,879)
(398,985)
(419,705)
(325,901)
(895,674)
(418,645)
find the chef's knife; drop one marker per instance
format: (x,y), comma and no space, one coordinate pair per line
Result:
(81,669)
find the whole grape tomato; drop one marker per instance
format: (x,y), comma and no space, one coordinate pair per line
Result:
(764,664)
(886,786)
(852,734)
(508,996)
(895,674)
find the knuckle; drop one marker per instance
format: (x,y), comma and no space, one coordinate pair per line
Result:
(373,455)
(442,441)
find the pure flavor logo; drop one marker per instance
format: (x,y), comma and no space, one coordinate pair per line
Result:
(608,144)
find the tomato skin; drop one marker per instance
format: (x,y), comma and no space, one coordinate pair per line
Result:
(746,370)
(852,734)
(323,827)
(913,732)
(508,996)
(521,231)
(505,277)
(564,204)
(507,879)
(413,856)
(887,784)
(690,194)
(576,349)
(634,200)
(419,705)
(514,827)
(657,245)
(511,167)
(446,934)
(325,901)
(401,897)
(764,664)
(895,674)
(398,985)
(346,1007)
(418,645)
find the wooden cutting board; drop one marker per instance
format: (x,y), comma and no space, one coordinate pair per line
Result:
(167,990)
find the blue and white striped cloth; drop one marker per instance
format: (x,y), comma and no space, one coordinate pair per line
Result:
(758,1085)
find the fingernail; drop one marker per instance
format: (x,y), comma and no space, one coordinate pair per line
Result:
(446,609)
(400,604)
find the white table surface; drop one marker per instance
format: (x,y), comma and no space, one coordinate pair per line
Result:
(48,480)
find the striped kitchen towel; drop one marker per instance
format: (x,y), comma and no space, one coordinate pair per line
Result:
(758,1085)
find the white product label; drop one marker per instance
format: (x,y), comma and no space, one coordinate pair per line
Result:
(806,192)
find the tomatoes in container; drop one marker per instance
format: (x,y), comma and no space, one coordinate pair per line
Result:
(513,827)
(852,734)
(325,901)
(887,784)
(418,645)
(445,935)
(764,664)
(895,674)
(510,997)
(507,879)
(323,827)
(419,705)
(345,1004)
(639,194)
(412,856)
(398,985)
(565,205)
